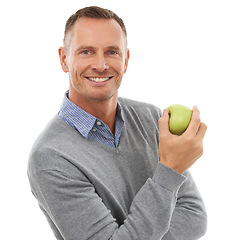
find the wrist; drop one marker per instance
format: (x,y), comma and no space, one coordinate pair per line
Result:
(174,167)
(168,178)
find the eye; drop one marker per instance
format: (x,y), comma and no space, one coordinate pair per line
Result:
(85,52)
(112,52)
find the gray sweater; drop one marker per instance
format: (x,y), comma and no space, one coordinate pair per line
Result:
(89,191)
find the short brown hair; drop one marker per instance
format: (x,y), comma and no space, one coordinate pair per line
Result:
(92,12)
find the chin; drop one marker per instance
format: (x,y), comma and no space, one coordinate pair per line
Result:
(102,98)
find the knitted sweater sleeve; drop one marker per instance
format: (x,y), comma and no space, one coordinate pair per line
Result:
(167,207)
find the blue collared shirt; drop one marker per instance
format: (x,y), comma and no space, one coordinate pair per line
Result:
(89,126)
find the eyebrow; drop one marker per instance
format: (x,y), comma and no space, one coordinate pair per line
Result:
(114,47)
(84,47)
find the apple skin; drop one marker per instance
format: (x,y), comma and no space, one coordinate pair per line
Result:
(180,117)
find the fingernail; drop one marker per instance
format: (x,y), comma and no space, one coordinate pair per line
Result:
(165,111)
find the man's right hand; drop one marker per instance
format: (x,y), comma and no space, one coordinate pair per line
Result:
(181,152)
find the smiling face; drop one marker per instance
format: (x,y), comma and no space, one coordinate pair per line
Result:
(96,59)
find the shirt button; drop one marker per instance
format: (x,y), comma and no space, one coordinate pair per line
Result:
(99,123)
(94,129)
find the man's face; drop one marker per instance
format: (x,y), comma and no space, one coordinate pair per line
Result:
(96,58)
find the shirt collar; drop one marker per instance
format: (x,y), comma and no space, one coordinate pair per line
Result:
(80,119)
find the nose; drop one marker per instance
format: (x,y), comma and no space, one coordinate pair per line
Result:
(99,64)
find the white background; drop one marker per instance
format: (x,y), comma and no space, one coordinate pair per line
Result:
(184,52)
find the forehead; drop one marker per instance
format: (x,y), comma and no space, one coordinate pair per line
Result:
(93,31)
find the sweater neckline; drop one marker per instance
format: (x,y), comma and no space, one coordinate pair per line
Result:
(90,141)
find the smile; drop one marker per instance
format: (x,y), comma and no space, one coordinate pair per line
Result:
(98,79)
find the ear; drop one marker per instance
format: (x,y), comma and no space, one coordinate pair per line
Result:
(63,59)
(126,60)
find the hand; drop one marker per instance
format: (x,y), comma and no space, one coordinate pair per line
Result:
(181,152)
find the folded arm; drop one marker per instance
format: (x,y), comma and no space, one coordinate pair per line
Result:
(165,207)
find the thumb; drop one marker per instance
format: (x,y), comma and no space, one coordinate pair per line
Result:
(163,122)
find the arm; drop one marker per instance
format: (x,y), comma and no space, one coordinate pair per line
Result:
(167,207)
(75,210)
(189,219)
(179,153)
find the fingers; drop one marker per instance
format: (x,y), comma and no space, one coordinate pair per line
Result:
(181,152)
(163,123)
(202,130)
(196,127)
(194,123)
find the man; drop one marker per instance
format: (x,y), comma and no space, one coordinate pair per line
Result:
(107,167)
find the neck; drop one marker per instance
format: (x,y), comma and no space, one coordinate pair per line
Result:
(104,110)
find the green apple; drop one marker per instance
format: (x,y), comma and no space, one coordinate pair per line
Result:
(180,117)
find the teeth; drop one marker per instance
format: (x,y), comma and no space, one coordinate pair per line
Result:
(98,79)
